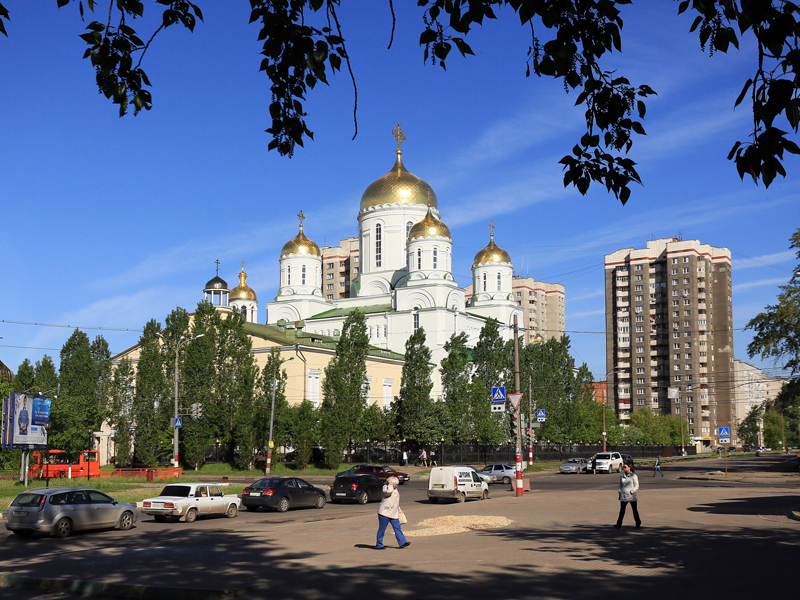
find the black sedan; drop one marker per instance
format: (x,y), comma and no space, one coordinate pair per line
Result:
(282,493)
(361,488)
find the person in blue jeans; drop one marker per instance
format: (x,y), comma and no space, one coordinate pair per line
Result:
(657,468)
(389,512)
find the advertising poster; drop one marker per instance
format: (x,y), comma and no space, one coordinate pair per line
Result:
(24,416)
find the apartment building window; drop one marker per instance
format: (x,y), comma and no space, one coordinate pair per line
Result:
(687,302)
(639,299)
(676,334)
(329,286)
(640,329)
(329,297)
(624,340)
(638,288)
(637,268)
(639,371)
(676,313)
(640,381)
(687,323)
(676,346)
(623,329)
(689,333)
(685,259)
(378,236)
(303,275)
(330,265)
(329,276)
(640,319)
(674,261)
(639,349)
(701,269)
(702,343)
(686,270)
(701,321)
(356,260)
(638,277)
(519,294)
(677,378)
(288,275)
(675,302)
(640,391)
(640,359)
(640,401)
(673,272)
(674,282)
(687,313)
(686,281)
(687,368)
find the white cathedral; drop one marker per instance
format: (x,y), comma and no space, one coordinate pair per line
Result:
(405,278)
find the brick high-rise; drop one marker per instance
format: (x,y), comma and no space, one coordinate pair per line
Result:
(669,324)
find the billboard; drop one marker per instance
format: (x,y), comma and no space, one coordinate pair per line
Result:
(24,421)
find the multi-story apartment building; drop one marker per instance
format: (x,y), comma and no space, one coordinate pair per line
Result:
(543,306)
(752,387)
(669,324)
(340,265)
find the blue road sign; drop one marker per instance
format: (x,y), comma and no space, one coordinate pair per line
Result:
(498,394)
(178,423)
(540,413)
(724,432)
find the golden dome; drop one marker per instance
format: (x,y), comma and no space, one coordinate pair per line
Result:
(430,226)
(492,253)
(243,291)
(300,244)
(399,186)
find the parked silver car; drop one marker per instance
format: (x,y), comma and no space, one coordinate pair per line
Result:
(62,510)
(485,477)
(575,465)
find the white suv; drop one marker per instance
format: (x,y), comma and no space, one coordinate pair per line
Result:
(609,461)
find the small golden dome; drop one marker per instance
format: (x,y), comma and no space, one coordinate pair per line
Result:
(430,226)
(492,253)
(300,245)
(399,186)
(243,291)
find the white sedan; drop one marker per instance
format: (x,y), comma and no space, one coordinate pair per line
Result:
(187,501)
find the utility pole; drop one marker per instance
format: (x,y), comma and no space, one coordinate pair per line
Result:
(519,407)
(271,418)
(530,423)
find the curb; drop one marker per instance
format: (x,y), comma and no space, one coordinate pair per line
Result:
(118,590)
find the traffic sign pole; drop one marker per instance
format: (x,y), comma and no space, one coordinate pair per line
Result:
(516,389)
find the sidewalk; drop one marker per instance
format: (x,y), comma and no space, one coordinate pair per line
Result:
(560,545)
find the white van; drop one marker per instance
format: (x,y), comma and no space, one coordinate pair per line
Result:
(456,483)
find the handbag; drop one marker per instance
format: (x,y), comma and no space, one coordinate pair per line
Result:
(403,520)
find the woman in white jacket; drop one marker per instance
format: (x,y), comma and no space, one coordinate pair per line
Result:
(389,512)
(628,486)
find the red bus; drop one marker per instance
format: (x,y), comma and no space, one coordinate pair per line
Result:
(84,464)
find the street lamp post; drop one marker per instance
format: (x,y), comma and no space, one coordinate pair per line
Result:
(271,420)
(519,410)
(176,438)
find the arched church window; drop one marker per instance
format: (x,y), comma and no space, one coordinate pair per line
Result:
(378,245)
(288,275)
(416,319)
(435,258)
(419,258)
(484,282)
(244,312)
(303,275)
(499,285)
(408,228)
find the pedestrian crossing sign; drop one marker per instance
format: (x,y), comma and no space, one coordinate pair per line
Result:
(724,432)
(540,413)
(498,394)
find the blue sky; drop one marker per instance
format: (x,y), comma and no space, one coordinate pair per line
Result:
(112,221)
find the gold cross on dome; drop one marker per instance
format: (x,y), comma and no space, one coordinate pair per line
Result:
(217,261)
(242,266)
(302,218)
(491,228)
(397,132)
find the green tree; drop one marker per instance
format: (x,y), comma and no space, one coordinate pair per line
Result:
(151,392)
(24,378)
(272,374)
(304,40)
(304,434)
(749,427)
(45,378)
(73,415)
(101,361)
(488,428)
(455,371)
(774,427)
(344,388)
(490,356)
(414,415)
(121,397)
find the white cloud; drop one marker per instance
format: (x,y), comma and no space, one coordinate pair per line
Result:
(588,313)
(751,284)
(594,294)
(764,260)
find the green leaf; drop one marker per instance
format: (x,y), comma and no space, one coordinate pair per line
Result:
(743,92)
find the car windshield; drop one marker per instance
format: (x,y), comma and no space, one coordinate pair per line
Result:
(27,499)
(574,460)
(604,456)
(268,482)
(181,491)
(388,470)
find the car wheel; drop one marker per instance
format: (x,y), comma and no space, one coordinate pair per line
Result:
(485,495)
(283,505)
(251,508)
(319,502)
(24,533)
(462,497)
(232,511)
(63,528)
(363,498)
(506,479)
(191,515)
(433,500)
(126,521)
(160,518)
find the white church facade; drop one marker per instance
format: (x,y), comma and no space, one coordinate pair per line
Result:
(405,278)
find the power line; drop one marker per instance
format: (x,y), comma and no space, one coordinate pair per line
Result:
(70,326)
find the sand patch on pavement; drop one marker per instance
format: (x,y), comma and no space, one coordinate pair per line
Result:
(454,524)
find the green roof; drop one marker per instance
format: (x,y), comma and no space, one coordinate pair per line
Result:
(345,312)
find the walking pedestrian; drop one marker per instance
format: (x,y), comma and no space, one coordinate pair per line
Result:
(628,486)
(657,467)
(424,458)
(594,464)
(433,459)
(389,512)
(405,458)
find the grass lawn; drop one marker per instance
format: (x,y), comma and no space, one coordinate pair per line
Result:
(279,470)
